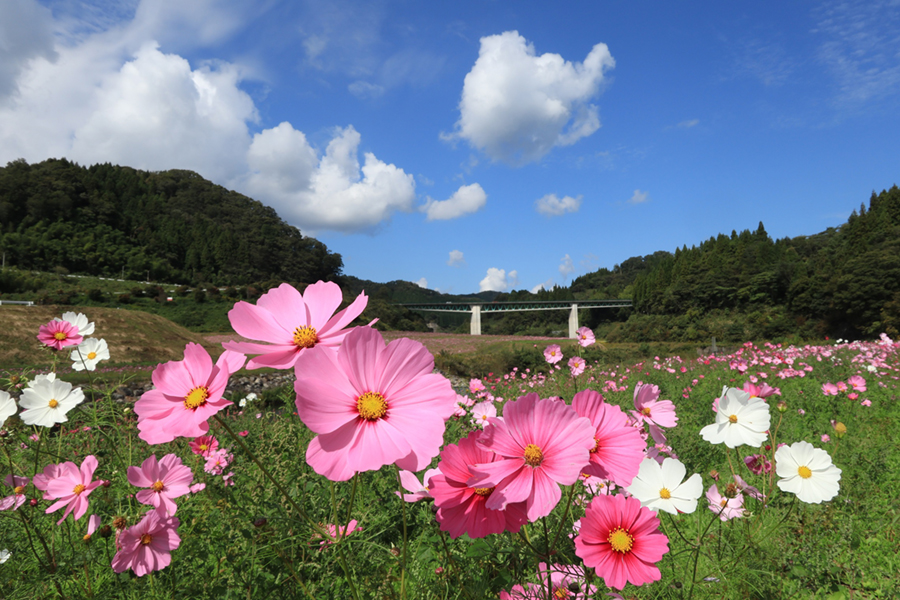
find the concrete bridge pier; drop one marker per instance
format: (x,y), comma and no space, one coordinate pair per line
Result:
(573,322)
(475,325)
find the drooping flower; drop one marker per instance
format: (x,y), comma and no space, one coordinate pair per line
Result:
(80,321)
(419,489)
(461,508)
(576,366)
(483,411)
(17,499)
(621,540)
(186,394)
(725,507)
(807,472)
(758,464)
(585,336)
(662,487)
(71,487)
(88,353)
(147,546)
(166,480)
(553,354)
(543,443)
(204,445)
(291,323)
(46,402)
(7,407)
(618,448)
(741,419)
(59,334)
(372,405)
(93,523)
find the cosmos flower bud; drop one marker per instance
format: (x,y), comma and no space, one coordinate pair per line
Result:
(781,406)
(840,429)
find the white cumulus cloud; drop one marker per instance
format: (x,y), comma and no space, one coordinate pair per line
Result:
(565,266)
(467,199)
(498,280)
(639,197)
(456,259)
(553,206)
(516,106)
(422,283)
(547,285)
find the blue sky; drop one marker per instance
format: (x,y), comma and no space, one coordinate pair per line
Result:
(475,145)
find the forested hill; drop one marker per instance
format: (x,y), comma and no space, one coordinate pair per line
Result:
(171,226)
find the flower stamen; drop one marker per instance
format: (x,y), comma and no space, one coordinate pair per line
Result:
(484,491)
(665,494)
(371,406)
(620,540)
(804,472)
(78,489)
(305,337)
(533,455)
(733,418)
(196,398)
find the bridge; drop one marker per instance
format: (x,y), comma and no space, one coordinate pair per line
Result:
(477,308)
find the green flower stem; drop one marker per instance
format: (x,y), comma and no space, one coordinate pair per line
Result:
(564,520)
(405,549)
(453,563)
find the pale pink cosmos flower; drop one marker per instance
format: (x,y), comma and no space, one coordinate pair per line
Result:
(186,394)
(483,411)
(17,499)
(71,487)
(475,386)
(204,445)
(576,366)
(726,508)
(372,405)
(866,402)
(761,391)
(542,443)
(217,461)
(166,480)
(419,489)
(585,336)
(858,383)
(59,334)
(291,323)
(553,354)
(93,523)
(618,448)
(147,546)
(656,413)
(337,533)
(566,582)
(826,438)
(829,389)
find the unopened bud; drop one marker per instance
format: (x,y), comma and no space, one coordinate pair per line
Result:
(781,406)
(120,523)
(714,474)
(840,429)
(731,490)
(260,522)
(106,483)
(395,551)
(3,433)
(105,531)
(33,502)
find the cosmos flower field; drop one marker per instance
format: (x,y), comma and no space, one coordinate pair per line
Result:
(773,472)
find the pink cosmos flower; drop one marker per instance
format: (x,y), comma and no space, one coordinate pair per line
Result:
(553,354)
(411,483)
(483,411)
(372,405)
(726,508)
(542,443)
(585,336)
(462,509)
(618,448)
(566,581)
(758,464)
(186,394)
(146,547)
(858,383)
(291,323)
(167,479)
(217,461)
(204,445)
(18,484)
(530,591)
(829,389)
(652,410)
(475,386)
(576,366)
(760,391)
(866,402)
(93,523)
(71,487)
(59,334)
(621,540)
(337,533)
(826,438)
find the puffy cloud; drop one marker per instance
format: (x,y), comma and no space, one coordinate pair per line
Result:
(422,283)
(456,259)
(467,199)
(565,266)
(498,280)
(27,33)
(331,192)
(639,197)
(516,106)
(552,206)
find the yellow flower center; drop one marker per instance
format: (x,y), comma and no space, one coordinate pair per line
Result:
(204,447)
(723,502)
(620,540)
(146,539)
(60,335)
(158,486)
(87,537)
(78,489)
(665,494)
(562,593)
(371,406)
(646,410)
(483,491)
(804,472)
(92,355)
(533,455)
(305,337)
(196,397)
(596,445)
(53,403)
(733,418)
(18,489)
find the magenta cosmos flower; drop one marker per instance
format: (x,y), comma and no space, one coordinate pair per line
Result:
(146,547)
(461,509)
(187,394)
(59,334)
(618,447)
(372,405)
(291,323)
(204,445)
(166,480)
(621,540)
(71,487)
(542,443)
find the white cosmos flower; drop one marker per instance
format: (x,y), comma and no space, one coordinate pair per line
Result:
(807,472)
(78,320)
(4,556)
(88,353)
(39,378)
(661,486)
(47,401)
(7,407)
(741,419)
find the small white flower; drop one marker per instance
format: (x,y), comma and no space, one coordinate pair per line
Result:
(741,419)
(660,486)
(78,320)
(47,402)
(871,368)
(88,353)
(4,556)
(7,407)
(807,472)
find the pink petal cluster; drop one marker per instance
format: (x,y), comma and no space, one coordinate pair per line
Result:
(336,533)
(166,480)
(553,354)
(291,323)
(858,383)
(585,336)
(217,461)
(564,580)
(204,445)
(419,489)
(59,334)
(576,366)
(69,485)
(372,405)
(829,389)
(621,541)
(147,546)
(187,393)
(618,448)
